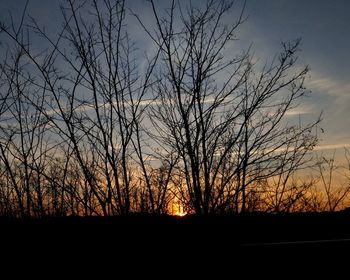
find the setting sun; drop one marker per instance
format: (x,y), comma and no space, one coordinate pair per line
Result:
(178,209)
(180,213)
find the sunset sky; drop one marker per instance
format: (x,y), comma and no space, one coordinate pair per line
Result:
(323,25)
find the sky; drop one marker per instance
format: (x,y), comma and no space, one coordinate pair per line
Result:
(323,25)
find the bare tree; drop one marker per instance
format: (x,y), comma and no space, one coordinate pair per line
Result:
(223,114)
(93,94)
(336,191)
(86,131)
(24,142)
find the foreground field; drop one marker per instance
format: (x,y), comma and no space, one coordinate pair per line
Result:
(219,244)
(248,230)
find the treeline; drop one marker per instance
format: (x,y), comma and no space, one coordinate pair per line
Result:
(91,126)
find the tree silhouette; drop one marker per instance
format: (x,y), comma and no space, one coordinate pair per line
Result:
(221,113)
(85,130)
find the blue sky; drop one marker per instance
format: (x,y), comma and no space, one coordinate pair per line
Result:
(324,27)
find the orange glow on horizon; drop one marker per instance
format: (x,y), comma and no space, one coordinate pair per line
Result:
(178,209)
(180,214)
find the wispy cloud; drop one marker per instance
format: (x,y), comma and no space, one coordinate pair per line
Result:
(127,103)
(337,89)
(300,110)
(332,146)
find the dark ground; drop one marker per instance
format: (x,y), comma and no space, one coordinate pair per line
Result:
(238,231)
(255,238)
